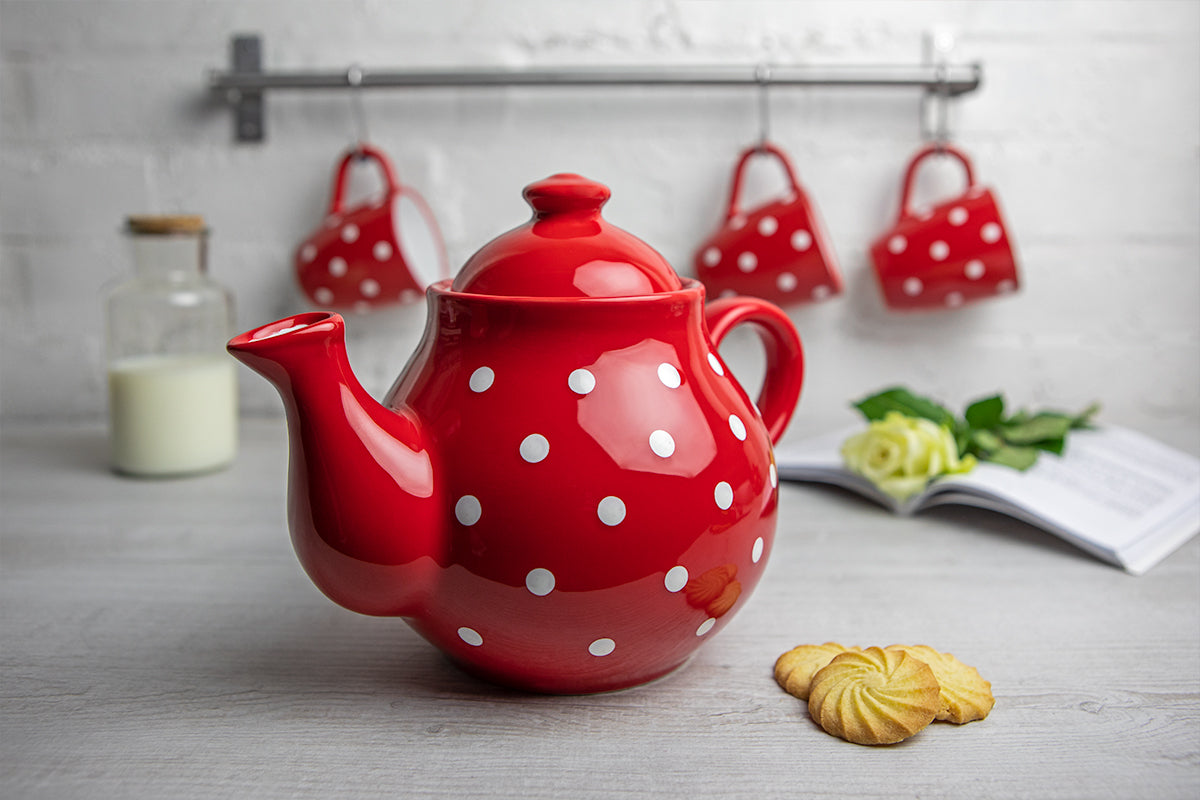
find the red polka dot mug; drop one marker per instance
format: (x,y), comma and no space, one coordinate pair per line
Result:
(566,490)
(955,252)
(779,251)
(380,252)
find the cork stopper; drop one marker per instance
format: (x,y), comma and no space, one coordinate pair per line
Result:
(165,224)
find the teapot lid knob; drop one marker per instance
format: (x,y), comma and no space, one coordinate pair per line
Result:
(567,250)
(566,192)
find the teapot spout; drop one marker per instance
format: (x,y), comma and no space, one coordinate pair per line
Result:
(363,507)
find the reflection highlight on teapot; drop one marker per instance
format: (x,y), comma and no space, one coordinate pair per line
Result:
(714,591)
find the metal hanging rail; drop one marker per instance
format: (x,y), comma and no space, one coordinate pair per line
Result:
(244,85)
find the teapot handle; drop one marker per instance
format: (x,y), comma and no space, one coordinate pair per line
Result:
(911,174)
(785,356)
(765,148)
(361,150)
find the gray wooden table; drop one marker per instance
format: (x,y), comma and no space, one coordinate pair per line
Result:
(159,640)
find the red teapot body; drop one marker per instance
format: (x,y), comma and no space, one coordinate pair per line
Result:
(565,491)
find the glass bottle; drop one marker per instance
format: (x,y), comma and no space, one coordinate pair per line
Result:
(172,387)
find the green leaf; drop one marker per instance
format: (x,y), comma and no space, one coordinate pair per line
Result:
(1037,428)
(1084,418)
(1056,446)
(986,413)
(898,398)
(1021,458)
(986,441)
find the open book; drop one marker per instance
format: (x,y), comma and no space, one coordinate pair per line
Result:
(1119,495)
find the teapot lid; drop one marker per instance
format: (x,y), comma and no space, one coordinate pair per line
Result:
(567,250)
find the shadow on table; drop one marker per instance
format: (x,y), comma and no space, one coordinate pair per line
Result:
(969,520)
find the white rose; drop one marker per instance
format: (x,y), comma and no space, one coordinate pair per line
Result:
(901,454)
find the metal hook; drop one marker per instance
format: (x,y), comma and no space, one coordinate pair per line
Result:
(354,77)
(762,74)
(940,95)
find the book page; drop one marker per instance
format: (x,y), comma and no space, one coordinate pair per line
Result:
(1112,486)
(1114,492)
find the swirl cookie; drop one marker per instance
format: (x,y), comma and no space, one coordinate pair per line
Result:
(874,696)
(795,668)
(965,695)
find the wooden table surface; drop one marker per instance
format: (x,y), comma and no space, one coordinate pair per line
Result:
(160,641)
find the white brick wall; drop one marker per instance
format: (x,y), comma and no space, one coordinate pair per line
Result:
(1088,126)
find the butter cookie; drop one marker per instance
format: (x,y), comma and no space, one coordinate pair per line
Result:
(795,668)
(874,696)
(965,695)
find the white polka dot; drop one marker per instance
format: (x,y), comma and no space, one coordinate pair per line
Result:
(774,475)
(540,581)
(602,647)
(954,299)
(738,222)
(1005,286)
(470,636)
(323,295)
(737,426)
(337,267)
(747,261)
(801,240)
(990,233)
(481,379)
(308,253)
(786,282)
(382,250)
(362,306)
(715,363)
(662,443)
(957,216)
(369,288)
(768,226)
(711,257)
(912,286)
(821,292)
(897,244)
(706,626)
(669,376)
(757,550)
(939,250)
(350,233)
(611,511)
(467,509)
(723,494)
(581,381)
(534,448)
(974,269)
(677,578)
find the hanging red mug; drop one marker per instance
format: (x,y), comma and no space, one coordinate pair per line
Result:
(955,252)
(380,252)
(779,251)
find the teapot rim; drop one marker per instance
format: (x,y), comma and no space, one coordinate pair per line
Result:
(691,289)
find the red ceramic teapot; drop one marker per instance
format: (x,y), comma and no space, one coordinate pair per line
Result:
(565,490)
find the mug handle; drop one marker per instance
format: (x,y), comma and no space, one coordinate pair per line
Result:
(785,356)
(362,150)
(765,148)
(911,174)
